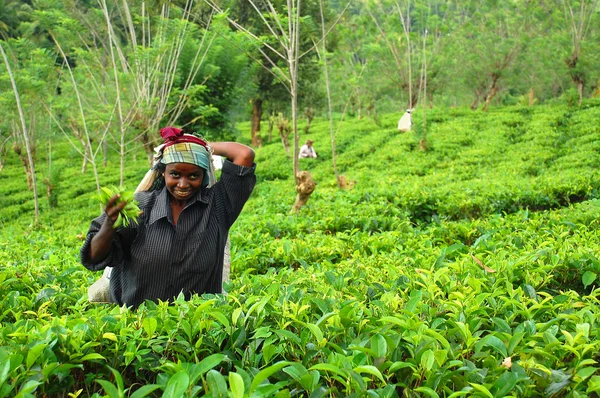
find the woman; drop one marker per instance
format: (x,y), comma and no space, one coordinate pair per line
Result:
(177,244)
(307,150)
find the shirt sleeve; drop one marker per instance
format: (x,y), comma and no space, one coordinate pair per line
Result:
(116,254)
(234,188)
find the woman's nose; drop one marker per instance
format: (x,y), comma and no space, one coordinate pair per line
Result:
(183,183)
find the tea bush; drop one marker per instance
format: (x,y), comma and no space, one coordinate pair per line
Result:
(470,269)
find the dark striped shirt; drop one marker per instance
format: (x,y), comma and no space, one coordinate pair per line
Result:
(156,259)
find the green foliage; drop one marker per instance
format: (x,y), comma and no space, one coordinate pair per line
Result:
(130,212)
(467,270)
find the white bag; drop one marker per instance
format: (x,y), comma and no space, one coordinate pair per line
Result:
(99,291)
(405,122)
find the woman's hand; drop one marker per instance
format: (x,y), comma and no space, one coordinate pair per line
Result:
(239,154)
(102,241)
(112,210)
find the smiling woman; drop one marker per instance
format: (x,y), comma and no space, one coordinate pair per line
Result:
(178,242)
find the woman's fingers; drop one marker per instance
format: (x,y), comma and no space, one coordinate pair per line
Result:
(113,208)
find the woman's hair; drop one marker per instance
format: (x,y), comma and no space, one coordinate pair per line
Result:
(159,182)
(309,142)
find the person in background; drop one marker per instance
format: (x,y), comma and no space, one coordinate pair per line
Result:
(307,150)
(177,244)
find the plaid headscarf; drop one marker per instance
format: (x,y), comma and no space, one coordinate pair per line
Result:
(180,148)
(187,152)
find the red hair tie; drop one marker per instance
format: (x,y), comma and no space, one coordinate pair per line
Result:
(173,135)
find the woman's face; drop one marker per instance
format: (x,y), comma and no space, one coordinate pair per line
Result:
(183,180)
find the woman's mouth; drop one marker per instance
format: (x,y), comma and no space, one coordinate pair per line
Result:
(182,193)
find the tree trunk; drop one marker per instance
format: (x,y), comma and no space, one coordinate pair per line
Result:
(85,158)
(531,97)
(491,93)
(25,162)
(105,152)
(309,116)
(475,103)
(284,132)
(580,86)
(255,123)
(305,186)
(577,77)
(272,120)
(148,145)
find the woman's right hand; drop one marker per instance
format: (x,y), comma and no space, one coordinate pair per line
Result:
(112,210)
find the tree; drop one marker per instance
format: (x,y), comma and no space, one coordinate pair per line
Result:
(129,63)
(26,139)
(579,17)
(493,37)
(281,52)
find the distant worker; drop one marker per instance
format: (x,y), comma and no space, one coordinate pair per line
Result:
(405,122)
(307,150)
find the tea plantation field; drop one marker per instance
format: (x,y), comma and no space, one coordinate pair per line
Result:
(467,270)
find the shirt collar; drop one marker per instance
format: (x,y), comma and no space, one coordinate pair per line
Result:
(162,208)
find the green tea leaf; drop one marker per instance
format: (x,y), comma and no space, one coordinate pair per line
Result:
(493,342)
(584,373)
(109,388)
(265,373)
(177,385)
(144,391)
(505,384)
(379,346)
(427,391)
(482,389)
(217,387)
(401,365)
(588,278)
(150,325)
(34,354)
(372,370)
(91,356)
(427,360)
(236,384)
(28,388)
(330,368)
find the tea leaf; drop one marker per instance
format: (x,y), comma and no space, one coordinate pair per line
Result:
(28,388)
(588,278)
(584,373)
(208,363)
(91,356)
(144,391)
(427,360)
(109,388)
(494,342)
(372,370)
(150,325)
(217,387)
(330,368)
(4,369)
(379,346)
(265,373)
(505,384)
(34,354)
(482,389)
(427,391)
(236,384)
(177,385)
(401,365)
(109,336)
